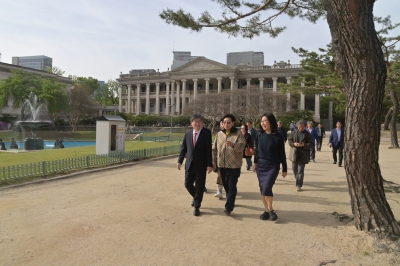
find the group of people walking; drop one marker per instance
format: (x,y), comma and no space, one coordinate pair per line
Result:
(225,156)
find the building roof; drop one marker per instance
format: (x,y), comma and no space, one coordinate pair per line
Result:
(111,118)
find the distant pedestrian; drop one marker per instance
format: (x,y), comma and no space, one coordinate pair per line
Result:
(249,144)
(282,131)
(300,142)
(228,155)
(196,147)
(270,153)
(321,135)
(314,135)
(336,142)
(292,126)
(253,133)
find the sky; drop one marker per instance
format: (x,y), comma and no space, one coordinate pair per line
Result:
(101,39)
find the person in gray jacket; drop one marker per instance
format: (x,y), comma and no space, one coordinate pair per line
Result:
(300,142)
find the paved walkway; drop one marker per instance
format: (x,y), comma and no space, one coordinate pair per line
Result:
(141,215)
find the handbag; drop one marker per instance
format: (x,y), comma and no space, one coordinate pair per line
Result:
(248,151)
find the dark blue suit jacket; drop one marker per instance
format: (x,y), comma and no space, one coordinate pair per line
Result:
(334,138)
(200,155)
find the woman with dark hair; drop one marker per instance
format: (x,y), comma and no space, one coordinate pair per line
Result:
(228,156)
(249,141)
(270,153)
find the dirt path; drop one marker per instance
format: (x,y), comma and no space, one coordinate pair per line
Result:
(141,215)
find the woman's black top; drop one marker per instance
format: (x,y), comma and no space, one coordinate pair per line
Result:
(271,147)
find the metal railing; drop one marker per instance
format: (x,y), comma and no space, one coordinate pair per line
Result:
(46,168)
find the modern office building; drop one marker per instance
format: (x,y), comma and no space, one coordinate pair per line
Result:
(250,58)
(181,58)
(40,62)
(154,93)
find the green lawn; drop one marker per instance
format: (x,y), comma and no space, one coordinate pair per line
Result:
(9,159)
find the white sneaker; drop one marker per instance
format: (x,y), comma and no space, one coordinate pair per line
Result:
(298,188)
(218,195)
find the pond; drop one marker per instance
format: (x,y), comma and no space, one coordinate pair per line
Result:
(49,144)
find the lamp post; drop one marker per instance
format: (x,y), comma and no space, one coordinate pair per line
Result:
(171,105)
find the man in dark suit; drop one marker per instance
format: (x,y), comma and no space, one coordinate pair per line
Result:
(196,146)
(336,142)
(321,134)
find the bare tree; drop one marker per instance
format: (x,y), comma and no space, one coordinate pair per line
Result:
(80,105)
(210,106)
(245,104)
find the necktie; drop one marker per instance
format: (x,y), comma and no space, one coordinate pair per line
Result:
(194,138)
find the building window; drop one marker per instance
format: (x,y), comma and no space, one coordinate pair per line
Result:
(270,84)
(143,89)
(143,107)
(162,109)
(152,108)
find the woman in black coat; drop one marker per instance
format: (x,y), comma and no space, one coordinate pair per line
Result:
(249,141)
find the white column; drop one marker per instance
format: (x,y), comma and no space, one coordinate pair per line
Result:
(183,94)
(147,98)
(167,98)
(248,80)
(178,103)
(138,99)
(157,98)
(172,96)
(232,83)
(195,88)
(219,85)
(261,83)
(120,99)
(129,100)
(232,88)
(260,109)
(274,84)
(317,115)
(207,85)
(302,99)
(288,105)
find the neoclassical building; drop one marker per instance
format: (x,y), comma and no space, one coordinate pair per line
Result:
(168,93)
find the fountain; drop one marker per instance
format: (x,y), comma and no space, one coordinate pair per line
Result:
(33,143)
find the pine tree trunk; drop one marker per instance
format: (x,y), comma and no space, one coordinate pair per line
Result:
(393,122)
(363,72)
(386,124)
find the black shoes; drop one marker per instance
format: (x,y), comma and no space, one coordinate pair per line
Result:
(264,216)
(273,216)
(196,212)
(334,162)
(205,189)
(340,165)
(227,213)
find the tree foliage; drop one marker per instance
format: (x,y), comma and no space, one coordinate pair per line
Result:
(107,94)
(246,19)
(17,88)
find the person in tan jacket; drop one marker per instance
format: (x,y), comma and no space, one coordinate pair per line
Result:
(228,156)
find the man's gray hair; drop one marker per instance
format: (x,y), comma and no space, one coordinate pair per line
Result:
(310,122)
(194,116)
(280,122)
(301,122)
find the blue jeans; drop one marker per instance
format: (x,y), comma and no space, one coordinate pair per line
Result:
(230,178)
(248,163)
